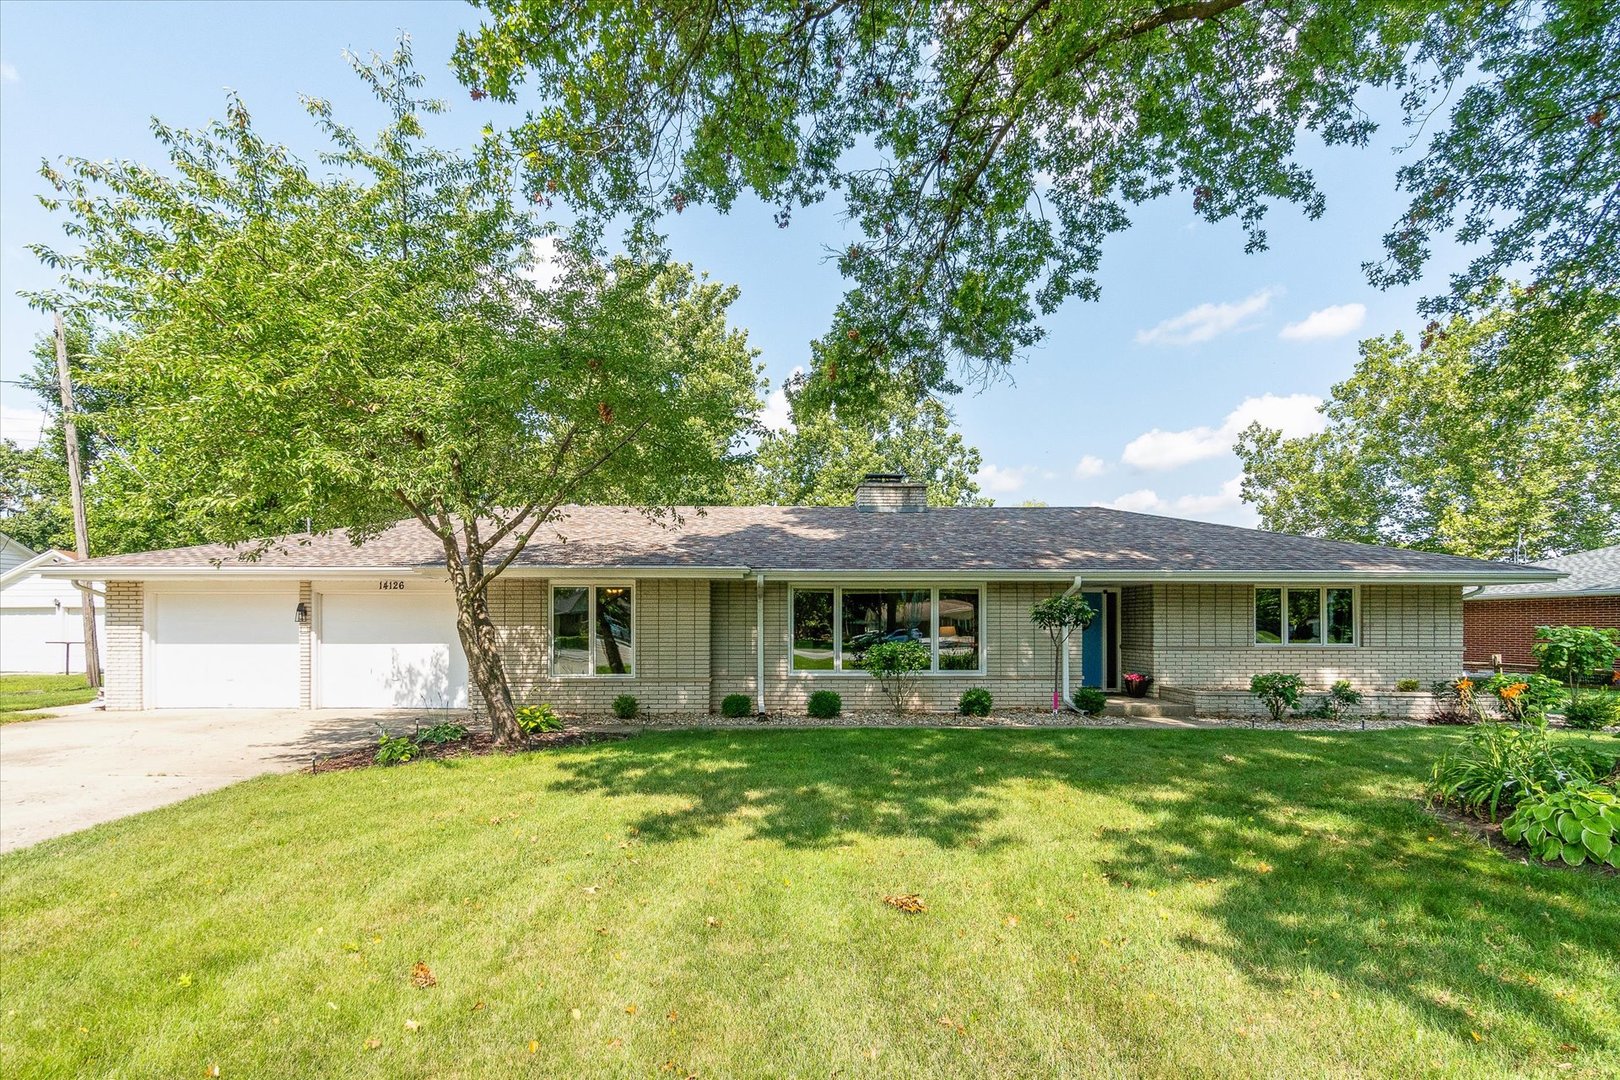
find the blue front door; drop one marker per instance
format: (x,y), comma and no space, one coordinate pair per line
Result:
(1092,642)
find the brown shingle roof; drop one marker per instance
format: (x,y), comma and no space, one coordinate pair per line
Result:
(1055,540)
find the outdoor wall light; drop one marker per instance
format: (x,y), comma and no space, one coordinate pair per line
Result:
(301,615)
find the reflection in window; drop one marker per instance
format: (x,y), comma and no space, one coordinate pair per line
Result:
(813,630)
(1304,617)
(614,652)
(889,615)
(590,630)
(959,631)
(1268,616)
(1341,604)
(570,631)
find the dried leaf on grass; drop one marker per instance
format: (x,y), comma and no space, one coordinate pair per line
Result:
(910,903)
(422,976)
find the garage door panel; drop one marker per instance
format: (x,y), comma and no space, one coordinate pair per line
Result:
(224,650)
(389,650)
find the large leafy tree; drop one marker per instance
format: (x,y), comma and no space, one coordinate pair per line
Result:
(369,344)
(820,458)
(987,150)
(1453,444)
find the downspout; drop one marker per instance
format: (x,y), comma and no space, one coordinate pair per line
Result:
(1070,591)
(1475,591)
(759,642)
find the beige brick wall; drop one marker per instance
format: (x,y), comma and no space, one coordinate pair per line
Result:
(126,621)
(671,640)
(1136,629)
(1203,637)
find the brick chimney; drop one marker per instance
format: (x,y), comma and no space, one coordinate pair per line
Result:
(890,493)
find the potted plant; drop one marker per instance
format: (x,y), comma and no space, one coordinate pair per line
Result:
(1136,684)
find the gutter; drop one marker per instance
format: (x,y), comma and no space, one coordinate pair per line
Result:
(759,643)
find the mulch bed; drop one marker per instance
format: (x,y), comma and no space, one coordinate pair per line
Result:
(476,744)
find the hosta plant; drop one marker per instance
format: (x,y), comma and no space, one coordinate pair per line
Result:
(534,719)
(1577,825)
(1503,765)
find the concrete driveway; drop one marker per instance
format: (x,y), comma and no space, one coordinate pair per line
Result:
(82,768)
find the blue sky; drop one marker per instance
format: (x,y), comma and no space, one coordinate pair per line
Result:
(1131,401)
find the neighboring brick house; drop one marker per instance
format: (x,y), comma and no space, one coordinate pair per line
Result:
(775,602)
(1499,621)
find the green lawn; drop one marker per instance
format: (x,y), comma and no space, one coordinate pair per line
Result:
(1100,902)
(21,695)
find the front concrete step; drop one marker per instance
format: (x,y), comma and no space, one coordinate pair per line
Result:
(1151,708)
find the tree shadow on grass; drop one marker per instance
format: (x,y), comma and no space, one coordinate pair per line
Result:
(1320,862)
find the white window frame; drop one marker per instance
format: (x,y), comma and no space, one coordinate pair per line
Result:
(1321,591)
(839,671)
(590,588)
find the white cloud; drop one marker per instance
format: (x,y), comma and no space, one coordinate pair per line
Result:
(1225,505)
(1139,501)
(1205,321)
(1330,322)
(1089,466)
(8,72)
(1294,414)
(546,265)
(21,426)
(995,480)
(778,415)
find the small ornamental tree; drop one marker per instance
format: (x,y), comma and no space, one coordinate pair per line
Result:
(896,665)
(372,342)
(1060,617)
(1572,653)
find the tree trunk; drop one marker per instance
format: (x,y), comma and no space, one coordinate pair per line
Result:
(482,646)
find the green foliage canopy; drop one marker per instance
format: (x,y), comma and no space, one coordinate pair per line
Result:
(987,151)
(373,343)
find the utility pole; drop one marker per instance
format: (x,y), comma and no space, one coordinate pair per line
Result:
(81,532)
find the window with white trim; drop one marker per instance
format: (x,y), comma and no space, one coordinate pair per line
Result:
(1296,615)
(832,626)
(592,630)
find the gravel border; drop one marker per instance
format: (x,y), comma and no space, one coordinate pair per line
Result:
(1033,718)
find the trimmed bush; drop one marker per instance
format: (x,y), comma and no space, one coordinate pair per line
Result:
(824,704)
(1593,711)
(1089,700)
(975,701)
(625,706)
(896,665)
(736,706)
(535,719)
(1408,686)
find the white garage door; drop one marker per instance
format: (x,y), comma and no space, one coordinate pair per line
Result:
(389,649)
(224,650)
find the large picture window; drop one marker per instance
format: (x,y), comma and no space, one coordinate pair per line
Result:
(833,627)
(1300,616)
(592,630)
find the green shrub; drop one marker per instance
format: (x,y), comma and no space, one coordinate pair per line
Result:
(1572,654)
(1504,764)
(535,719)
(736,706)
(625,706)
(1593,711)
(1277,692)
(824,704)
(1340,699)
(395,749)
(1523,698)
(1575,825)
(1408,686)
(896,665)
(1089,700)
(439,734)
(975,701)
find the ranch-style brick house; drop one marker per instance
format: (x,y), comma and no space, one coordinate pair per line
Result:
(778,601)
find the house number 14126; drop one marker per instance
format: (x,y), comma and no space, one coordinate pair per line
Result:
(388,585)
